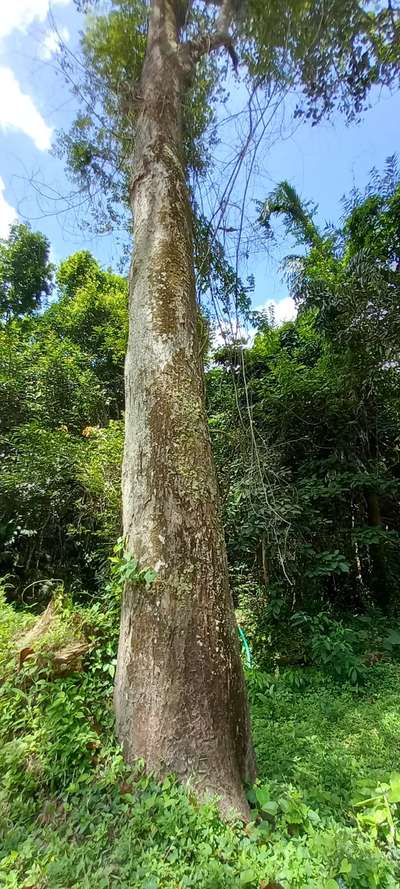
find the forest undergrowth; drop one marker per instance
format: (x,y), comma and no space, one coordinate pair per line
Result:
(325,811)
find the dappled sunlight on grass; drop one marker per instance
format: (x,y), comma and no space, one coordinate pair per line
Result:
(325,738)
(75,817)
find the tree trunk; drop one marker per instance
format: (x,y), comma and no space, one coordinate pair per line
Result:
(379,580)
(180,697)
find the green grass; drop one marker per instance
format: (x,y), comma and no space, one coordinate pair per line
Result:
(73,817)
(324,738)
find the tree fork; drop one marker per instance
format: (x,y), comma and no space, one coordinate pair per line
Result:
(180,695)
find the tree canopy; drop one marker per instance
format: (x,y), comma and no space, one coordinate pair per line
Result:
(315,405)
(25,271)
(326,56)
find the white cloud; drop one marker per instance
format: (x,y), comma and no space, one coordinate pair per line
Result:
(283,310)
(52,42)
(19,14)
(7,213)
(18,111)
(226,333)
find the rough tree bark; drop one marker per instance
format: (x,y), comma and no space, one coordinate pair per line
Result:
(379,571)
(180,697)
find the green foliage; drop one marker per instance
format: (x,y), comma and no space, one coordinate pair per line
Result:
(100,144)
(12,623)
(50,728)
(126,569)
(332,55)
(378,810)
(74,815)
(25,272)
(65,367)
(92,313)
(39,491)
(327,563)
(60,503)
(330,645)
(326,738)
(100,474)
(298,216)
(305,423)
(46,378)
(61,379)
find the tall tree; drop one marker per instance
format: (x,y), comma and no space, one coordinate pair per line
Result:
(25,271)
(180,698)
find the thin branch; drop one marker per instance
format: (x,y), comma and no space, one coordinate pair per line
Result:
(219,38)
(209,42)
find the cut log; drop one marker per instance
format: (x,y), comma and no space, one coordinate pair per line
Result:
(62,659)
(45,622)
(69,659)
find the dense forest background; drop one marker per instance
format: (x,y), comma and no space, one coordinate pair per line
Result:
(305,426)
(305,419)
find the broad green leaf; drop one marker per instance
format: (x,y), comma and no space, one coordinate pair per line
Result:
(270,807)
(394,793)
(345,867)
(249,876)
(262,795)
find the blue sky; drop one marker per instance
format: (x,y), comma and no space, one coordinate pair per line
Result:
(323,162)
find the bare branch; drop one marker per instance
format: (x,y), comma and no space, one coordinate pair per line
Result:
(210,42)
(217,39)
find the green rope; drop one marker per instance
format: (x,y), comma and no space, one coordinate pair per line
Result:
(246,647)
